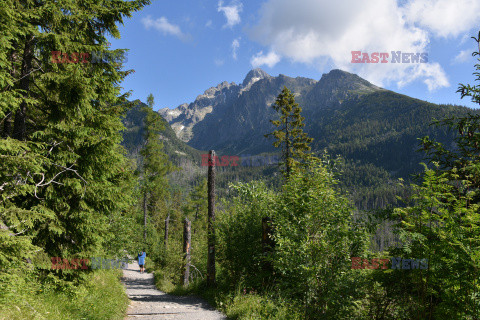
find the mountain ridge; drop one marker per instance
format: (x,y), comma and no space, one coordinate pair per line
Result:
(375,130)
(186,116)
(343,112)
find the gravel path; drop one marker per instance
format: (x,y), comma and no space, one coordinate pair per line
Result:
(148,303)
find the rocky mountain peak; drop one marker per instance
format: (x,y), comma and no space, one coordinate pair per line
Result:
(213,91)
(349,81)
(233,107)
(253,76)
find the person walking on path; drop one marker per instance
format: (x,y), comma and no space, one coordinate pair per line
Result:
(141,260)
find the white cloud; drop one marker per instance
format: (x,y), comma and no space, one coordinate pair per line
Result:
(161,24)
(432,74)
(443,18)
(231,12)
(325,33)
(235,46)
(463,56)
(208,24)
(260,59)
(464,39)
(219,62)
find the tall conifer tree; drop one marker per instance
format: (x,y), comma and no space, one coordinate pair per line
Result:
(63,173)
(156,164)
(294,142)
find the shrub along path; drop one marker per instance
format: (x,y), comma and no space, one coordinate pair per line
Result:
(148,303)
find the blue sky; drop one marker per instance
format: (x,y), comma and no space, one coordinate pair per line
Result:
(180,48)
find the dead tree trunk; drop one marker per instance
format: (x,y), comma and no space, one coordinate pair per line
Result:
(211,220)
(187,239)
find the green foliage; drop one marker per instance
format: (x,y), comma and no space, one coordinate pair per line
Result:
(196,210)
(197,203)
(240,234)
(154,168)
(243,306)
(66,186)
(100,296)
(443,225)
(314,241)
(290,135)
(67,172)
(155,164)
(382,129)
(472,91)
(316,231)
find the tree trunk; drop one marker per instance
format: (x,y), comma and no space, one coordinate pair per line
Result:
(187,238)
(7,124)
(145,216)
(165,238)
(211,220)
(19,125)
(287,143)
(267,247)
(196,217)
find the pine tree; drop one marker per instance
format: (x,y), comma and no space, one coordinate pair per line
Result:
(156,164)
(290,136)
(63,172)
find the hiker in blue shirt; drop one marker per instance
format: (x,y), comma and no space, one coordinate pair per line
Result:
(141,261)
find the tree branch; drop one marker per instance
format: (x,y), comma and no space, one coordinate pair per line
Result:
(65,169)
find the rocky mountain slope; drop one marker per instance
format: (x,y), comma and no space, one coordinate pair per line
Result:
(375,130)
(344,113)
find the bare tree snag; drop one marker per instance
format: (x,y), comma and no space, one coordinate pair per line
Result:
(211,220)
(187,239)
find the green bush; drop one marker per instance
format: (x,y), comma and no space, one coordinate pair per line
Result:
(240,234)
(314,242)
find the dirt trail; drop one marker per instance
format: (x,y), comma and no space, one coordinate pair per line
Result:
(148,303)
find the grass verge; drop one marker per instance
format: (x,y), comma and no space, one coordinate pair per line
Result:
(99,295)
